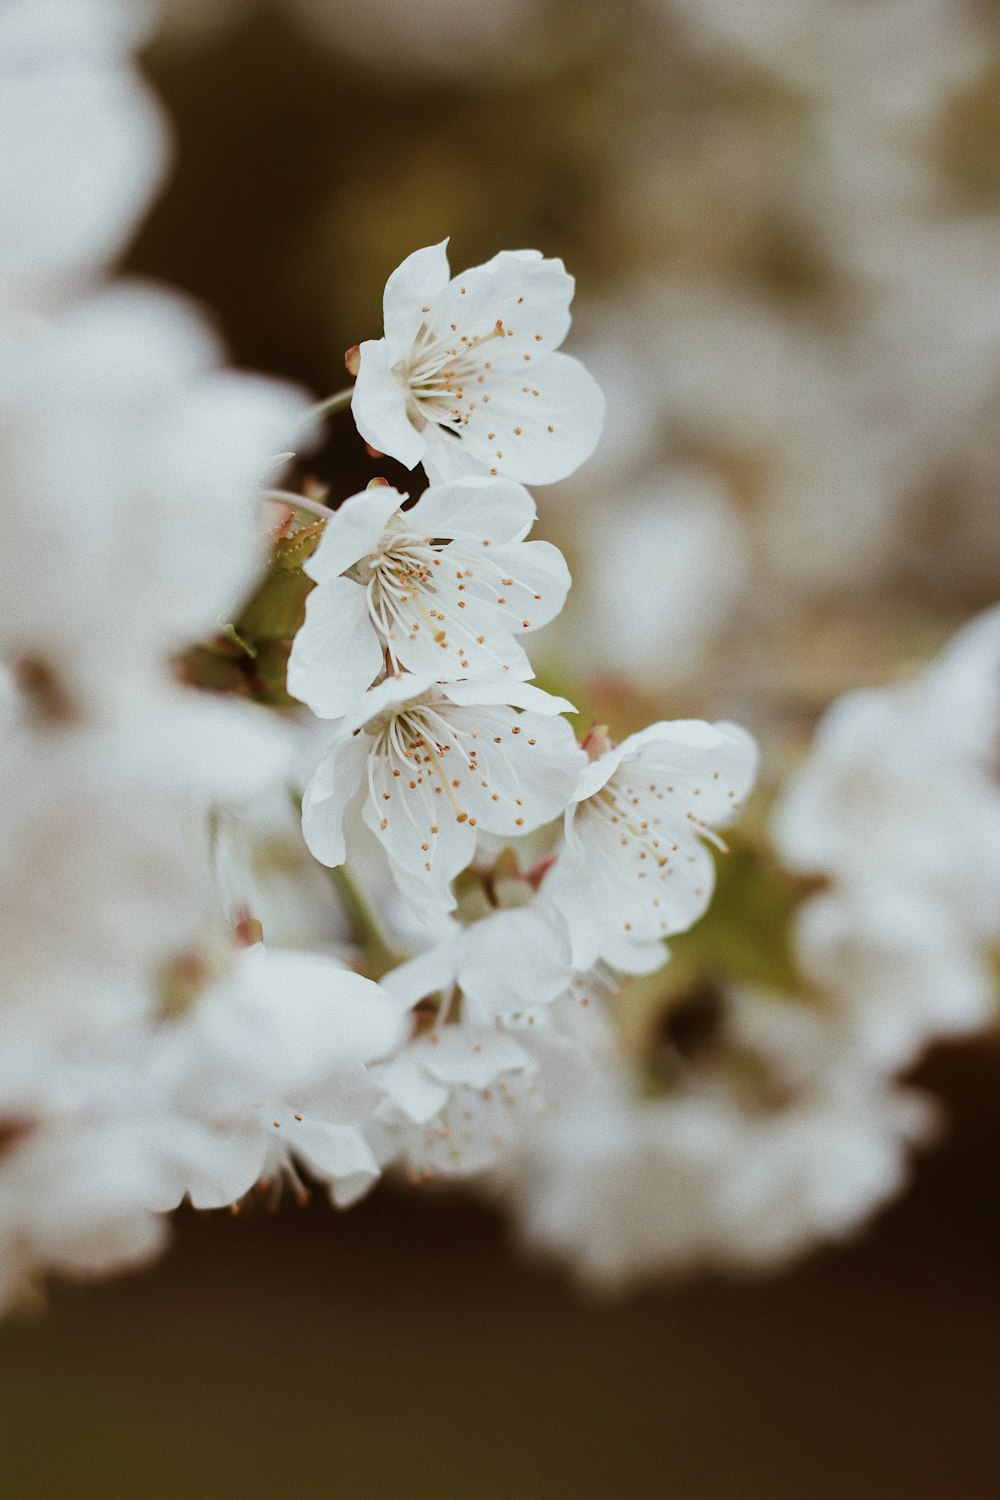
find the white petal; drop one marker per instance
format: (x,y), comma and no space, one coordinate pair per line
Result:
(473,1056)
(536,439)
(379,405)
(230,1168)
(534,581)
(701,771)
(331,1151)
(352,532)
(613,882)
(526,767)
(336,654)
(419,821)
(413,286)
(528,295)
(84,149)
(335,781)
(424,975)
(454,628)
(388,694)
(489,511)
(513,961)
(409,1086)
(497,690)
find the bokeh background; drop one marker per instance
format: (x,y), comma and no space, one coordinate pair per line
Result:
(784,220)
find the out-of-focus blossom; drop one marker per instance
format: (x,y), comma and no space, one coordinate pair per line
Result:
(446,37)
(665,566)
(890,62)
(716,1173)
(439,590)
(272,1063)
(898,807)
(85,144)
(122,437)
(468,378)
(896,969)
(900,788)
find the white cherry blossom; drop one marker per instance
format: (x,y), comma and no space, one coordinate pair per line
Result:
(438,764)
(85,144)
(509,964)
(125,441)
(461,1098)
(468,377)
(635,868)
(272,1064)
(737,1166)
(441,589)
(897,969)
(900,788)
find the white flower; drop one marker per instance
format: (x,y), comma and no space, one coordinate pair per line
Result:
(460,1099)
(440,590)
(508,965)
(635,869)
(899,787)
(84,142)
(897,968)
(82,1159)
(467,378)
(273,1063)
(439,765)
(741,1167)
(131,468)
(621,1190)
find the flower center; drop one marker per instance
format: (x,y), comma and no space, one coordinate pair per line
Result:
(438,371)
(398,578)
(623,811)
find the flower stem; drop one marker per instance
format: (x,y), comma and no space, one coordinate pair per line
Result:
(338,402)
(288,497)
(379,957)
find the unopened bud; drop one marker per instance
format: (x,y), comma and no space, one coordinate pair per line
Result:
(540,869)
(247,930)
(378,483)
(373,452)
(597,742)
(352,359)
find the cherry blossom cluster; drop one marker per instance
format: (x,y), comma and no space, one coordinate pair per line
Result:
(307,879)
(160,1038)
(534,869)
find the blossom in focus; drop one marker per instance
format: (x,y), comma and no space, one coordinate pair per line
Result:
(635,868)
(441,590)
(440,764)
(468,378)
